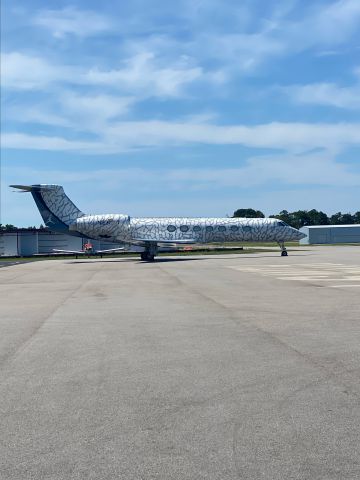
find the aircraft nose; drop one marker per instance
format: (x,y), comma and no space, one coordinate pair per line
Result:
(299,235)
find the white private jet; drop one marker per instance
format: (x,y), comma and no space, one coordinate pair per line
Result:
(60,214)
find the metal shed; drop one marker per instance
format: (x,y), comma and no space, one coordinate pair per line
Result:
(331,234)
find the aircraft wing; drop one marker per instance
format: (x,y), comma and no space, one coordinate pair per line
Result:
(110,250)
(144,241)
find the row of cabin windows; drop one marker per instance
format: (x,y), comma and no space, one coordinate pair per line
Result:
(209,228)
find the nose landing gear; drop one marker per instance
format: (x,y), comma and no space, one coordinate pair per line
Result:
(284,252)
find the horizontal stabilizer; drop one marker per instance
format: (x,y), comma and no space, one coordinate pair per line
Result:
(23,188)
(90,252)
(75,252)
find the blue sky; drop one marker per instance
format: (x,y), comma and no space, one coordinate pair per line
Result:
(187,108)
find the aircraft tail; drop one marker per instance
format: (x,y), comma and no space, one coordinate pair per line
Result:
(55,207)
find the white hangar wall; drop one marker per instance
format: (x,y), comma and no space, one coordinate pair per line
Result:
(31,242)
(9,244)
(331,234)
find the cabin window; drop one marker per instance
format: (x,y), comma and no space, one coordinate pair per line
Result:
(196,228)
(246,228)
(184,228)
(234,228)
(222,228)
(209,228)
(171,228)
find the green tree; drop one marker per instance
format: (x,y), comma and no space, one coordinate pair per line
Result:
(356,217)
(336,218)
(318,218)
(347,219)
(295,219)
(285,216)
(341,219)
(248,213)
(301,218)
(7,227)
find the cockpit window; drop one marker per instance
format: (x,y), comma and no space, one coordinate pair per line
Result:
(281,224)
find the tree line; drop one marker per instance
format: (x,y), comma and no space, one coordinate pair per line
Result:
(9,227)
(302,218)
(297,219)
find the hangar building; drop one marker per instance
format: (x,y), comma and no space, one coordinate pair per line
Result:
(27,242)
(331,234)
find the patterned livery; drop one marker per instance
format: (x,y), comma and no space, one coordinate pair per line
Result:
(59,213)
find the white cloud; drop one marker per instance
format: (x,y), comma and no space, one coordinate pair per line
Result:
(257,171)
(242,51)
(25,72)
(88,107)
(70,20)
(326,94)
(79,112)
(124,136)
(288,136)
(332,24)
(323,25)
(39,115)
(37,142)
(162,64)
(142,74)
(319,27)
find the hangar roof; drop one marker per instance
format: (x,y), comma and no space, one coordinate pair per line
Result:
(333,226)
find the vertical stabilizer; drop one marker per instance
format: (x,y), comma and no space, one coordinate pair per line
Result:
(55,207)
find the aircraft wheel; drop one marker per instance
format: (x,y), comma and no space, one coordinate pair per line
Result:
(147,257)
(284,253)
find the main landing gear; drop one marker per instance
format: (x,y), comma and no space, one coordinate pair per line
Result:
(148,255)
(284,252)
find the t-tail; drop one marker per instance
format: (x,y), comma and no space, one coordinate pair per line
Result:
(56,208)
